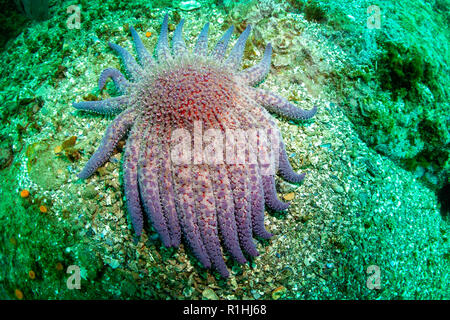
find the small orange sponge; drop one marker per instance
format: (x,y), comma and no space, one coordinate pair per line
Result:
(24,193)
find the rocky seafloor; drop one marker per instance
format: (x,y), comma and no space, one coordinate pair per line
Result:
(374,154)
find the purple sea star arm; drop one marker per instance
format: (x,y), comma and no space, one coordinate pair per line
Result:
(207,222)
(235,58)
(162,48)
(281,106)
(119,79)
(225,213)
(257,156)
(178,44)
(283,165)
(168,196)
(130,180)
(115,131)
(257,73)
(188,219)
(221,46)
(109,106)
(144,56)
(148,185)
(285,169)
(201,47)
(257,203)
(134,70)
(241,194)
(270,194)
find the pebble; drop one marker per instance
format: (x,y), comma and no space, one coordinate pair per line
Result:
(89,192)
(278,292)
(255,294)
(209,294)
(108,200)
(363,197)
(236,270)
(189,5)
(337,188)
(286,187)
(6,154)
(419,172)
(289,196)
(282,61)
(113,263)
(234,283)
(187,291)
(431,178)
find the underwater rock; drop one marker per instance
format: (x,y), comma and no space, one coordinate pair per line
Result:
(314,12)
(337,188)
(34,9)
(45,168)
(278,292)
(90,192)
(189,5)
(444,199)
(91,261)
(286,187)
(267,7)
(209,294)
(6,153)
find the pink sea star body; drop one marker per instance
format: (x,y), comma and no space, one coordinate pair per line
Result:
(208,202)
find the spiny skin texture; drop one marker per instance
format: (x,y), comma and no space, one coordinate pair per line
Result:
(216,195)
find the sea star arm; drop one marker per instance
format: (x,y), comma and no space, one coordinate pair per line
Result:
(201,47)
(221,46)
(281,106)
(162,48)
(270,194)
(188,219)
(178,44)
(235,58)
(119,79)
(144,56)
(257,203)
(167,193)
(238,174)
(257,157)
(130,180)
(285,169)
(109,106)
(148,184)
(225,212)
(207,222)
(115,131)
(134,70)
(257,73)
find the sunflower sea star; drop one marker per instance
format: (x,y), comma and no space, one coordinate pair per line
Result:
(182,91)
